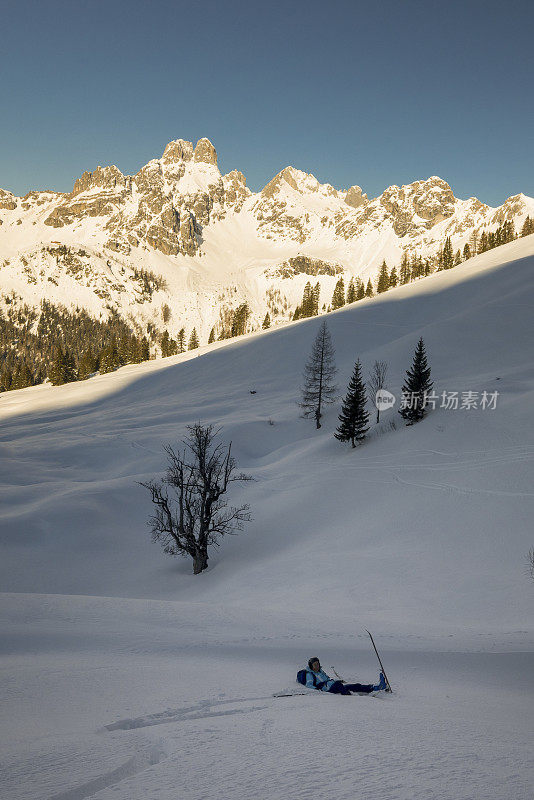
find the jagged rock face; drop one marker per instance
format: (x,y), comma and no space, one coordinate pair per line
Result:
(431,200)
(172,203)
(173,198)
(102,177)
(179,150)
(235,189)
(355,198)
(205,152)
(7,200)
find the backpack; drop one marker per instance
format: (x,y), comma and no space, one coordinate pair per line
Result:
(301,677)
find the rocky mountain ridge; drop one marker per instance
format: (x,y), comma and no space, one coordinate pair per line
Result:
(213,242)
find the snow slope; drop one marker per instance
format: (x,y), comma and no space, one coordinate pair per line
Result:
(124,676)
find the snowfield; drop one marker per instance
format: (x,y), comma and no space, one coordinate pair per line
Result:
(124,676)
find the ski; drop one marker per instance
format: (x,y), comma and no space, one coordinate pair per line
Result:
(388,686)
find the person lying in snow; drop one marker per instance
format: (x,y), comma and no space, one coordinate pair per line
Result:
(316,678)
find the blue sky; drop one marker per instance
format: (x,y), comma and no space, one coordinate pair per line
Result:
(373,93)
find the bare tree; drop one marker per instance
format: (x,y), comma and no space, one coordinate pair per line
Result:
(319,374)
(191,512)
(376,382)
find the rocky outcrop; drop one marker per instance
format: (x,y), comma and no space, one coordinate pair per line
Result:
(355,198)
(235,190)
(205,152)
(7,200)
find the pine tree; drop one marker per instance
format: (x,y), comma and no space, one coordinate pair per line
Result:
(382,282)
(59,370)
(483,243)
(165,344)
(393,279)
(211,337)
(266,322)
(404,272)
(466,252)
(315,298)
(145,349)
(319,373)
(360,289)
(417,386)
(6,378)
(338,298)
(181,340)
(457,258)
(193,340)
(354,418)
(306,307)
(239,320)
(109,357)
(528,226)
(22,377)
(448,254)
(87,365)
(369,289)
(351,292)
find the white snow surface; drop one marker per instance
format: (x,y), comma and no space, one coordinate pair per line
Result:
(124,676)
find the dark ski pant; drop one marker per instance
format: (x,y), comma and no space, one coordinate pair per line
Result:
(347,688)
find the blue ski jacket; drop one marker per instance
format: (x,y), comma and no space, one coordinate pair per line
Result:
(322,680)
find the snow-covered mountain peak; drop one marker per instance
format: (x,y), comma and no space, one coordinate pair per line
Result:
(180,219)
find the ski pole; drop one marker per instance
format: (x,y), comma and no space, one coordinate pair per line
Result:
(337,676)
(388,686)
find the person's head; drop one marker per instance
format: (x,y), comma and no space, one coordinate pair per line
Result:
(314,664)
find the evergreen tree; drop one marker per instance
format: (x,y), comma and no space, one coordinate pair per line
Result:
(404,272)
(22,377)
(467,252)
(393,279)
(6,378)
(193,340)
(60,369)
(134,352)
(351,292)
(319,373)
(360,289)
(211,337)
(181,340)
(145,349)
(109,357)
(369,289)
(306,308)
(266,322)
(448,254)
(239,320)
(483,243)
(165,344)
(457,258)
(417,386)
(528,226)
(338,298)
(316,295)
(87,365)
(354,418)
(473,243)
(382,282)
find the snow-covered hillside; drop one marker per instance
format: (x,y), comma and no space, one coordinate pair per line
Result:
(214,242)
(125,676)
